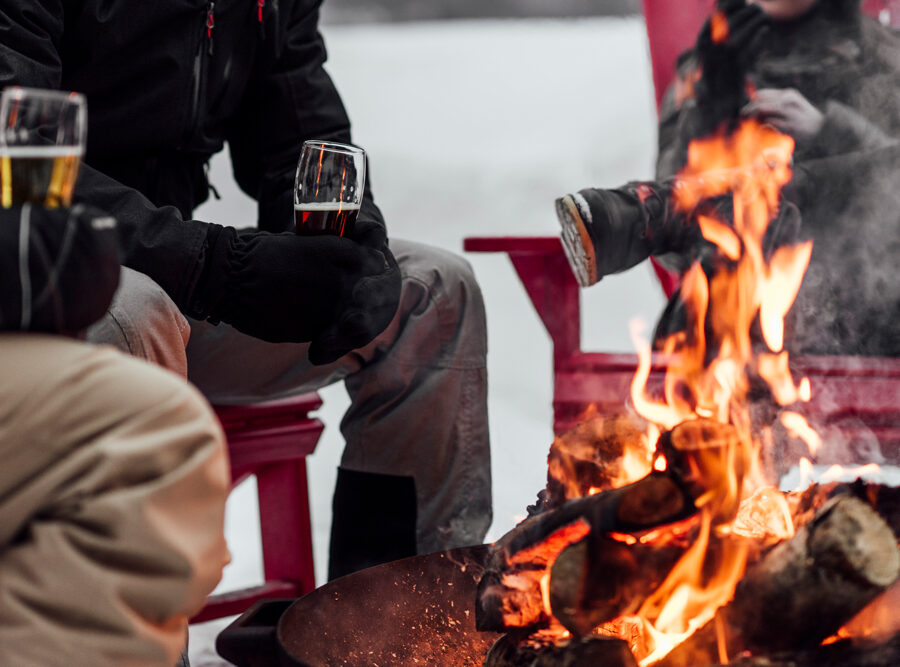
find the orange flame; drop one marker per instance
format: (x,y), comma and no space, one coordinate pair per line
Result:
(718,24)
(708,365)
(798,427)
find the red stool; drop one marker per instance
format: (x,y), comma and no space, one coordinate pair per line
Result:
(272,440)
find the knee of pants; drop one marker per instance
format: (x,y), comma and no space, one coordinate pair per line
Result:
(144,322)
(442,284)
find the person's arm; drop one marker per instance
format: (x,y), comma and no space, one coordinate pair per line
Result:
(680,120)
(290,101)
(278,287)
(29,49)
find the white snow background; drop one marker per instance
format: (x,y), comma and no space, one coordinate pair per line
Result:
(473,128)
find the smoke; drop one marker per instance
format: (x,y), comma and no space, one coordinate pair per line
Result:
(846,186)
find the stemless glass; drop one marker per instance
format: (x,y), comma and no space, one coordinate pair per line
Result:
(42,139)
(328,188)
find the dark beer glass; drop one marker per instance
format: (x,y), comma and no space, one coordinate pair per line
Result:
(328,188)
(42,138)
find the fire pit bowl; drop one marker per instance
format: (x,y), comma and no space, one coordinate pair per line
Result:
(414,611)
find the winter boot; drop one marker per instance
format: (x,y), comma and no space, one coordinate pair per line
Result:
(373,522)
(608,231)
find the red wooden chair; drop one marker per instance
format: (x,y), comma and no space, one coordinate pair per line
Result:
(860,395)
(272,440)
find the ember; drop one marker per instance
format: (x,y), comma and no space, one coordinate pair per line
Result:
(658,528)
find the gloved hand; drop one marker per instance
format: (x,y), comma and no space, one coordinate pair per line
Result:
(288,288)
(370,308)
(787,110)
(369,229)
(726,46)
(63,278)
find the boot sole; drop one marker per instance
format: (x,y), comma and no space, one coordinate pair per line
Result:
(576,242)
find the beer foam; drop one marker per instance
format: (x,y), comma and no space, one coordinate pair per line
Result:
(40,151)
(327,206)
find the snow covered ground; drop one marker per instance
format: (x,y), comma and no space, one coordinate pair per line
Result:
(474,128)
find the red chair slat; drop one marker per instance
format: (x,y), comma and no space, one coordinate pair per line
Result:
(271,440)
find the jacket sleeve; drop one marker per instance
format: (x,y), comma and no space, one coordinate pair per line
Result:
(29,48)
(155,241)
(291,99)
(680,119)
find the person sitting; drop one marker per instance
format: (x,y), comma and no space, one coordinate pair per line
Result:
(257,314)
(115,471)
(825,74)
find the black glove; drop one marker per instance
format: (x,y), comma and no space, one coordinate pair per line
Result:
(727,45)
(64,277)
(369,229)
(370,308)
(288,288)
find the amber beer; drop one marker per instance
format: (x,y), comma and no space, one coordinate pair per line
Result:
(315,218)
(40,175)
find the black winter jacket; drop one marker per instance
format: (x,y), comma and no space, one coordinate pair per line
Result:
(167,83)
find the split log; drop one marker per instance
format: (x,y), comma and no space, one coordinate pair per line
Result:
(600,578)
(511,651)
(607,576)
(804,589)
(591,455)
(701,457)
(509,594)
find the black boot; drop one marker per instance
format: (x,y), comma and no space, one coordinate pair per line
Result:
(608,231)
(374,521)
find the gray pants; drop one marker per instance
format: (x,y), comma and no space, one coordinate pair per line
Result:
(418,392)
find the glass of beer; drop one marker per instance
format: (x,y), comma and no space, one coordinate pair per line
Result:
(328,188)
(42,139)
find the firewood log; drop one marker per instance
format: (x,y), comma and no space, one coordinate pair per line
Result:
(600,578)
(512,651)
(509,592)
(699,454)
(805,588)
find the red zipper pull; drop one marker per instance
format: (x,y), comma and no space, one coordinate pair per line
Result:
(210,24)
(260,4)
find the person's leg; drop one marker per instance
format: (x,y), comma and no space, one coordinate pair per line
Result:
(145,323)
(112,499)
(417,426)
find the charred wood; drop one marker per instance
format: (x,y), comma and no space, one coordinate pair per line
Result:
(699,455)
(509,592)
(591,455)
(805,588)
(511,651)
(600,578)
(839,654)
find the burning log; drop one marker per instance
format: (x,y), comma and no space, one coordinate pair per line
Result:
(698,454)
(509,651)
(804,589)
(610,575)
(599,579)
(509,594)
(600,452)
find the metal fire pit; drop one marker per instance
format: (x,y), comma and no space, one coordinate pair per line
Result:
(415,611)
